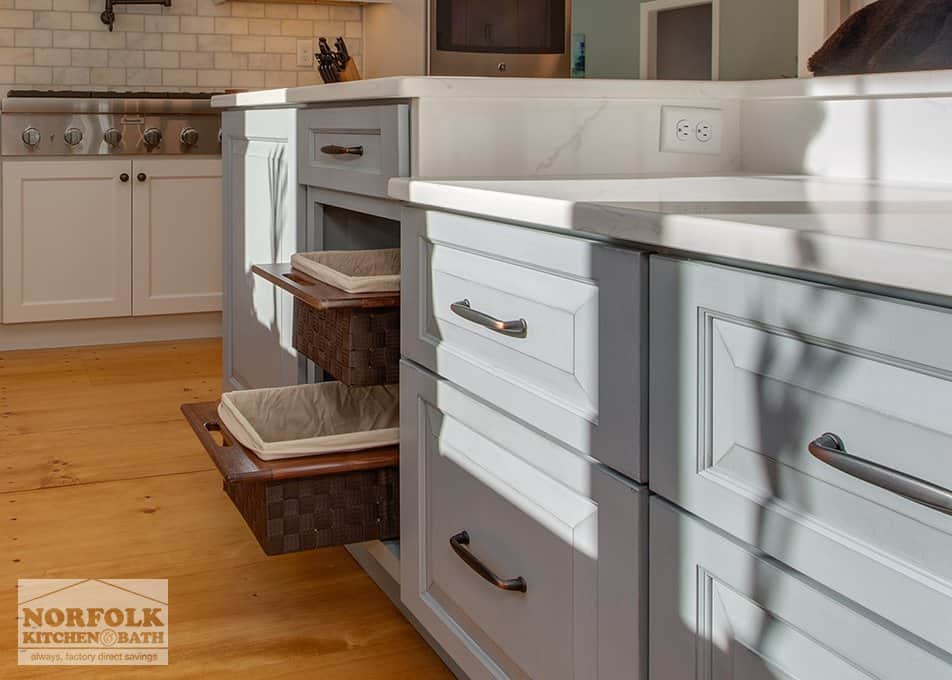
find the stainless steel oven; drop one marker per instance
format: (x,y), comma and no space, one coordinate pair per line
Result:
(529,38)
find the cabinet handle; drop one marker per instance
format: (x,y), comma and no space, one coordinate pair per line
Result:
(334,150)
(515,329)
(830,449)
(141,177)
(124,177)
(459,543)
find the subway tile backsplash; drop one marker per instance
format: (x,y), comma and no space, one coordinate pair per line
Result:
(192,45)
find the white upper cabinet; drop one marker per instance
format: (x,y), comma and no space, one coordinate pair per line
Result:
(748,370)
(67,240)
(176,236)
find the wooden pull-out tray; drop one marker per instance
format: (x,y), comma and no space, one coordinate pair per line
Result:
(304,503)
(238,464)
(318,294)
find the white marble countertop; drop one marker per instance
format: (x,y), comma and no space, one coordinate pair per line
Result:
(885,234)
(922,83)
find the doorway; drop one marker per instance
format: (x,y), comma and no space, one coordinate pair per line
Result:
(680,39)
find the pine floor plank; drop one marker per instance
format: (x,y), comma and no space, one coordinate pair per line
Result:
(100,477)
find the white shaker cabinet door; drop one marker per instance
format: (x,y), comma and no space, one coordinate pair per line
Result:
(67,240)
(176,236)
(720,610)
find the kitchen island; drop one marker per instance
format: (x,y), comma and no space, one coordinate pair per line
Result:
(718,373)
(778,346)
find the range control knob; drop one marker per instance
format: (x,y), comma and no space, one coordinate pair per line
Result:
(73,136)
(31,137)
(112,137)
(189,136)
(152,137)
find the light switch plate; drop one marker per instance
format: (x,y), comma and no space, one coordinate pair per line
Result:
(691,130)
(305,53)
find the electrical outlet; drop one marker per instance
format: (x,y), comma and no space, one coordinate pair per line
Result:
(684,130)
(691,130)
(703,131)
(305,53)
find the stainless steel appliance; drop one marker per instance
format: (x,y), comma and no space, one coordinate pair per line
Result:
(500,37)
(82,123)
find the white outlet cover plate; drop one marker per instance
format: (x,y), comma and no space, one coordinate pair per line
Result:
(671,115)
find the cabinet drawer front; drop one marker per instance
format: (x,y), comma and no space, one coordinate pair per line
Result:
(355,149)
(561,364)
(719,611)
(530,509)
(748,369)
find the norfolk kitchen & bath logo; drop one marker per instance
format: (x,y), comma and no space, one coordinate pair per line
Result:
(93,622)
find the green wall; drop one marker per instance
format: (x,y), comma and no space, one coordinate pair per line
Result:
(611,29)
(758,38)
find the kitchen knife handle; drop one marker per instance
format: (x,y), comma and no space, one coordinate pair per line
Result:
(830,449)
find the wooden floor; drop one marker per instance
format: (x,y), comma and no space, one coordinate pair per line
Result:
(100,477)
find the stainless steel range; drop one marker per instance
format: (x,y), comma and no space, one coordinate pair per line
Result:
(80,123)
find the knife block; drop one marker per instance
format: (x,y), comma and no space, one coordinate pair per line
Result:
(350,72)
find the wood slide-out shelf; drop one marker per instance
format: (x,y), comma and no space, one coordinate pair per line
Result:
(318,294)
(238,464)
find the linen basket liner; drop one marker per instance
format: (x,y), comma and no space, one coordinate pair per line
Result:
(354,271)
(308,420)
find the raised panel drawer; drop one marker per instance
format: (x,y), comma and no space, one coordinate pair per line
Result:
(748,369)
(569,361)
(531,510)
(720,611)
(355,149)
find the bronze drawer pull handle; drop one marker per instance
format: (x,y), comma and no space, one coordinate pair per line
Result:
(334,150)
(459,543)
(514,329)
(830,449)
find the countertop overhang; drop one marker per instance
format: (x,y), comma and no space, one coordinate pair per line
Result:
(921,83)
(885,234)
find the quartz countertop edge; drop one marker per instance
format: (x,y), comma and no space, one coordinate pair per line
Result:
(922,83)
(892,235)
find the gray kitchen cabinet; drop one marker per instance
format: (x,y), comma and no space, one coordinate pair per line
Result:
(565,533)
(720,610)
(570,363)
(355,149)
(262,207)
(749,370)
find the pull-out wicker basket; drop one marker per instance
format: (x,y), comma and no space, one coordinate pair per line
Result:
(355,337)
(307,502)
(356,346)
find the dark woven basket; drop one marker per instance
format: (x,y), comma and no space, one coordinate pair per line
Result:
(358,347)
(315,512)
